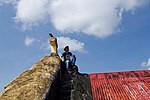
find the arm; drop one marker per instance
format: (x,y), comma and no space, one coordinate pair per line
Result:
(72,55)
(61,57)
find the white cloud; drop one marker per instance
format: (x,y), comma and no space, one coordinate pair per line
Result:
(2,2)
(93,17)
(100,18)
(146,64)
(29,41)
(74,45)
(32,12)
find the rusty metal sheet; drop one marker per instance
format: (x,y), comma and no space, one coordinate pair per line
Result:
(130,85)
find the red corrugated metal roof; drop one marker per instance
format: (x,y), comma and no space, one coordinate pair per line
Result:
(131,85)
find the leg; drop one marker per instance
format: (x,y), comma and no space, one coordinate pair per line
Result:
(67,63)
(73,60)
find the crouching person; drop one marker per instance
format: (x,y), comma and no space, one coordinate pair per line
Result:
(68,58)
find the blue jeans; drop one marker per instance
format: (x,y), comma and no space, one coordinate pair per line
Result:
(72,61)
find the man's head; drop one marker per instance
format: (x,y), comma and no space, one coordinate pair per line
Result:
(66,48)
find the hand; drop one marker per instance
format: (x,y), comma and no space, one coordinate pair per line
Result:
(62,59)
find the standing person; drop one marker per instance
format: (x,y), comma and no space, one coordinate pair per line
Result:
(68,57)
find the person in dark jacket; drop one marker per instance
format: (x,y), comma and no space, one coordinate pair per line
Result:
(68,57)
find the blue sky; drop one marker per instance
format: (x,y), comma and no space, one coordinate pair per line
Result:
(106,40)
